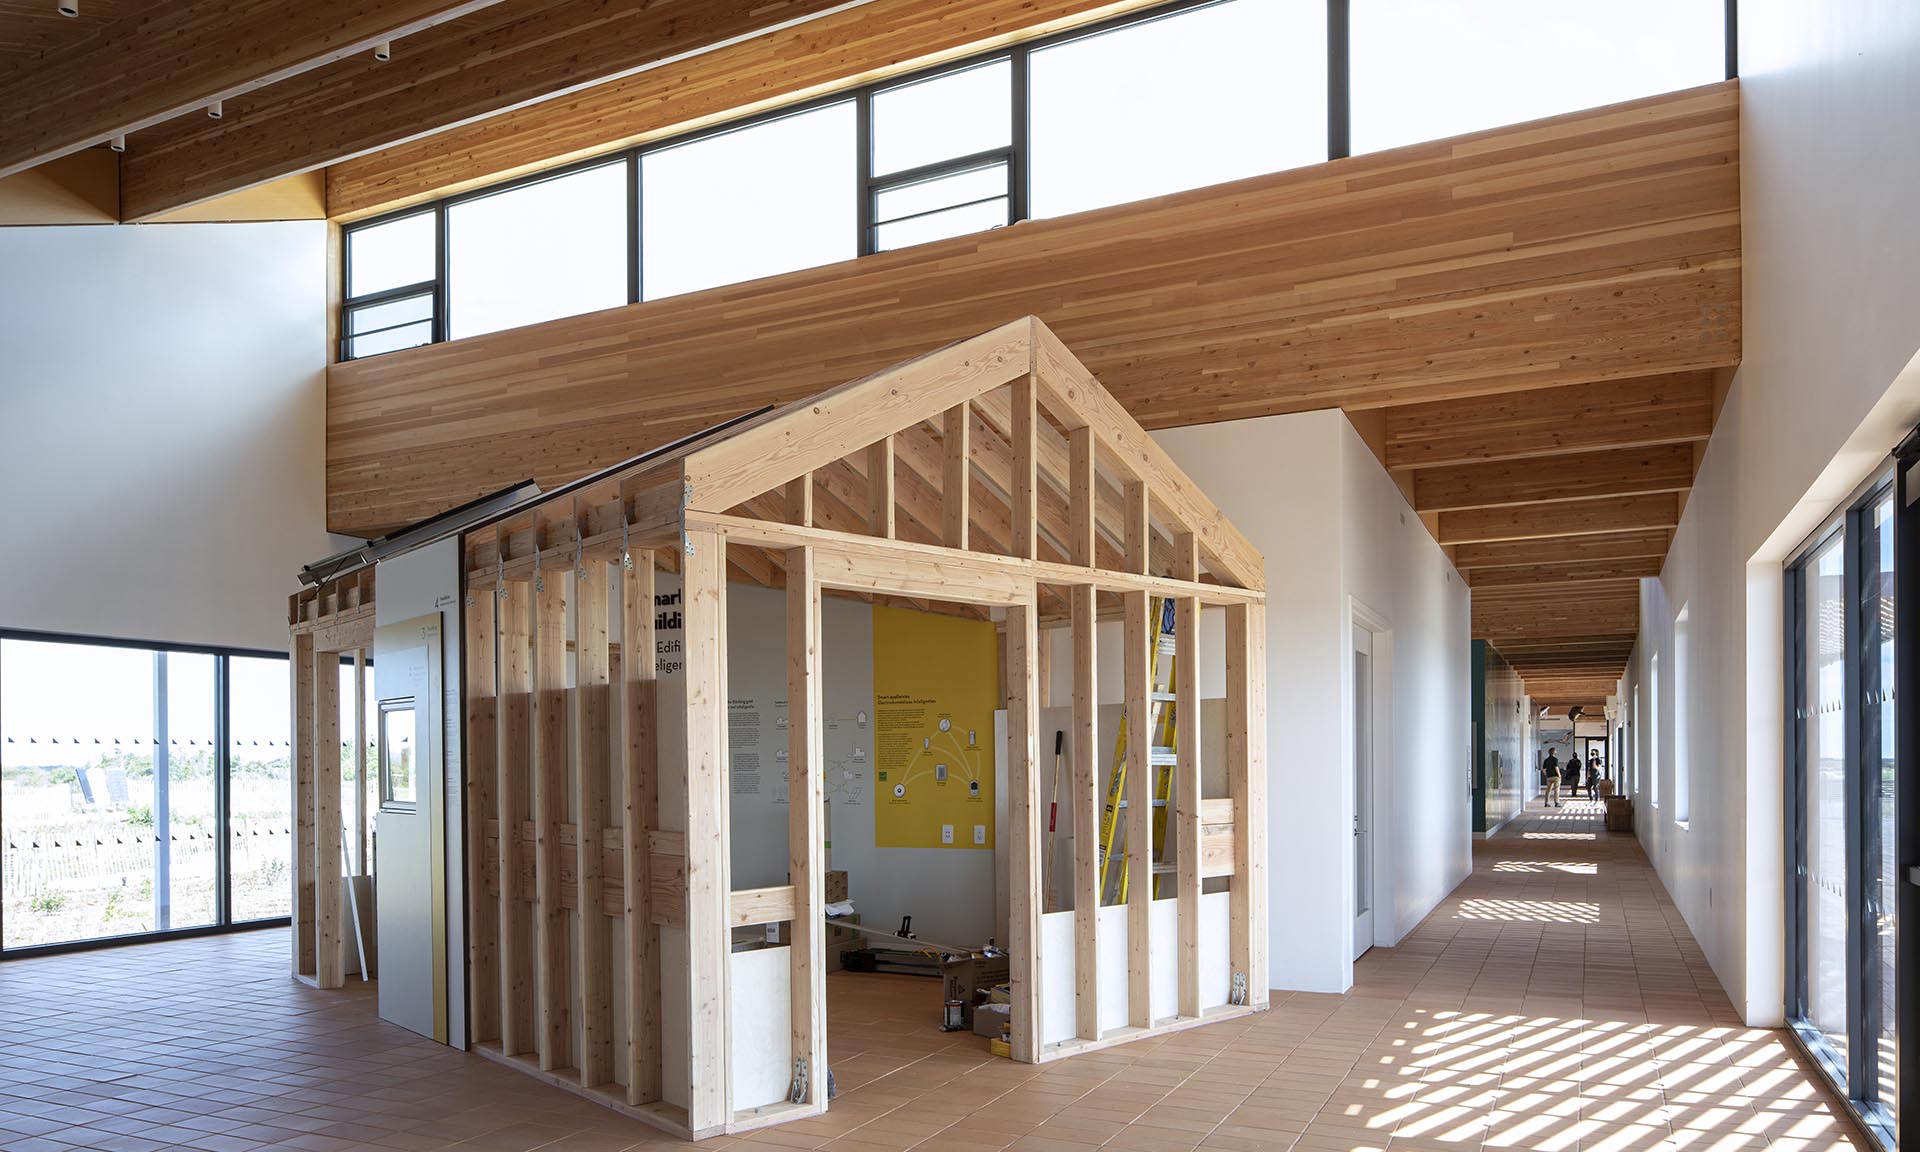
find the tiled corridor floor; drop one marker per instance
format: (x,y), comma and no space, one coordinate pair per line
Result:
(1554,1001)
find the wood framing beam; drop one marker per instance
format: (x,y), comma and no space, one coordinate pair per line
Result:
(1246,644)
(881,501)
(1574,476)
(1138,633)
(1081,479)
(704,610)
(1023,827)
(1087,859)
(1567,518)
(481,768)
(1184,827)
(515,751)
(1669,408)
(329,951)
(473,69)
(639,764)
(1570,549)
(1024,486)
(300,663)
(806,823)
(176,57)
(591,767)
(957,476)
(550,961)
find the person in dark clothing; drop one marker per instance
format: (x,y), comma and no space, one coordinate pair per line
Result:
(1550,773)
(1575,774)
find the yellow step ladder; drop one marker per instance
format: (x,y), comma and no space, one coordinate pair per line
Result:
(1163,726)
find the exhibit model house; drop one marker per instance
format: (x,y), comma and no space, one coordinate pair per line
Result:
(585,794)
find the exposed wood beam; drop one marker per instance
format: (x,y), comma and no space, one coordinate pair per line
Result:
(1613,472)
(178,56)
(1576,572)
(1671,408)
(536,51)
(1567,518)
(1607,546)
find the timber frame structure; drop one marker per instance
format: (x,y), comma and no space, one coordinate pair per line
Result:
(597,845)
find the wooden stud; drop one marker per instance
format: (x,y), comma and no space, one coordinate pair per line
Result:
(300,657)
(806,828)
(1024,487)
(800,500)
(880,497)
(1139,527)
(704,609)
(361,658)
(590,765)
(1139,634)
(515,753)
(1087,862)
(1246,783)
(483,804)
(329,951)
(639,719)
(1081,483)
(1186,785)
(958,475)
(1023,826)
(551,969)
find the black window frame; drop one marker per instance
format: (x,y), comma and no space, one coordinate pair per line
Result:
(224,921)
(868,187)
(1853,1075)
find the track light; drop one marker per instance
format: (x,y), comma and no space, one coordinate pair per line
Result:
(118,143)
(217,109)
(383,51)
(68,8)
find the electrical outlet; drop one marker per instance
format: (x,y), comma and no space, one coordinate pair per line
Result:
(946,833)
(980,834)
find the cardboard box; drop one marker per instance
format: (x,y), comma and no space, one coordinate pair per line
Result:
(835,885)
(1619,813)
(839,940)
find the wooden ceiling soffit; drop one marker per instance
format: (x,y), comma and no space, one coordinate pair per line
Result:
(1207,305)
(561,78)
(1612,472)
(1642,545)
(1572,572)
(177,57)
(1669,408)
(1565,518)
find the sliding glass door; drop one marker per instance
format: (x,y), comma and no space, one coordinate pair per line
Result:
(144,790)
(1841,793)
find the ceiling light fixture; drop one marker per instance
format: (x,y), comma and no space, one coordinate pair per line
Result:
(217,109)
(68,8)
(118,143)
(383,51)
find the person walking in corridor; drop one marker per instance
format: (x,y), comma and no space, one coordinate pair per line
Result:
(1550,771)
(1576,772)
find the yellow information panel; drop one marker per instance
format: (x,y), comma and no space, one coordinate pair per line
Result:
(935,687)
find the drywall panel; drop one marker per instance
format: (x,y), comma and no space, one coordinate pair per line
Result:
(1057,970)
(759,1010)
(162,414)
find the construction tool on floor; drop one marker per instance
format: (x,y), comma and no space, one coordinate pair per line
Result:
(1162,730)
(907,954)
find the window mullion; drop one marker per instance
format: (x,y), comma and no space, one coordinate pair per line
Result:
(863,172)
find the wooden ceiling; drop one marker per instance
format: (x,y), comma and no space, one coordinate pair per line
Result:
(1531,326)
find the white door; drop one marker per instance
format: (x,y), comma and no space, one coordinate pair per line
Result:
(1362,790)
(409,874)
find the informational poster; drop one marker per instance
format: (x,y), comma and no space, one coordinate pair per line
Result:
(935,691)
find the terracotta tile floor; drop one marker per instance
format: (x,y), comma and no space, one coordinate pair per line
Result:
(1555,1001)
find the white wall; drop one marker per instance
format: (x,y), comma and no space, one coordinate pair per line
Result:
(1830,155)
(161,428)
(1334,529)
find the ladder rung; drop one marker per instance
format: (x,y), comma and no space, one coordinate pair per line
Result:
(1156,803)
(1166,643)
(1164,759)
(1164,697)
(1160,869)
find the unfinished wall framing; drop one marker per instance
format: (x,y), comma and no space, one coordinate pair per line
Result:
(327,623)
(598,841)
